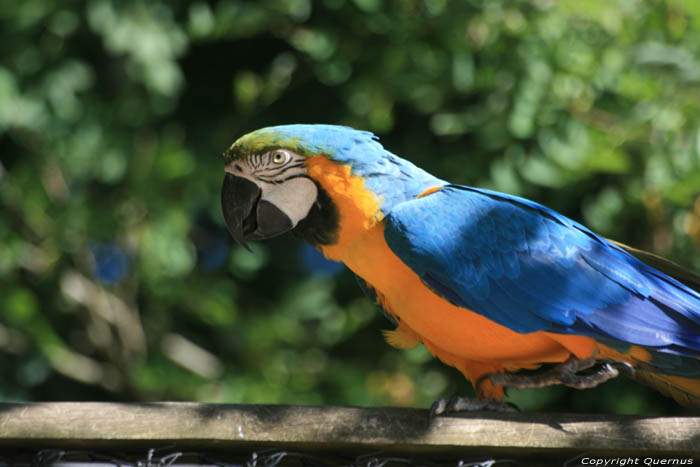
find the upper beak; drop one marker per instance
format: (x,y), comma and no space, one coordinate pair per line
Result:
(247,216)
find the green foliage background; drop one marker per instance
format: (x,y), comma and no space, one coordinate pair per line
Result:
(117,277)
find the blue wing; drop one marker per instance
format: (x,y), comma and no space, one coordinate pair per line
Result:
(529,268)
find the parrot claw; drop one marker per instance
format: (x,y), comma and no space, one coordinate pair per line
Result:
(468,404)
(566,373)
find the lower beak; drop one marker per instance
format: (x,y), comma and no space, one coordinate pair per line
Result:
(247,216)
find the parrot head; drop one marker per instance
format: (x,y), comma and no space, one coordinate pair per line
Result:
(266,195)
(267,189)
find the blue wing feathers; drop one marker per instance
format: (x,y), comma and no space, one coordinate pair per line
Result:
(529,268)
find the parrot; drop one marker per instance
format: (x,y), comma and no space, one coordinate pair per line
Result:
(507,291)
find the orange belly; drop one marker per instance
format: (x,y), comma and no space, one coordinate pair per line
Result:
(459,337)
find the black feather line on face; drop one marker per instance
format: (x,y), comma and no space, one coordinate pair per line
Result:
(279,181)
(321,225)
(281,170)
(269,176)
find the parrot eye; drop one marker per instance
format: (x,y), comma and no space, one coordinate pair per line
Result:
(280,157)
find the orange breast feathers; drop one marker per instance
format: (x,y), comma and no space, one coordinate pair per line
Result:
(459,337)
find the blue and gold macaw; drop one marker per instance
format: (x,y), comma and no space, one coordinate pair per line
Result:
(490,283)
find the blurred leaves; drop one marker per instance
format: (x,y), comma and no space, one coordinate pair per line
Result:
(117,276)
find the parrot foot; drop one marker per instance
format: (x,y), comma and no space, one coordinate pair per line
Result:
(566,373)
(468,404)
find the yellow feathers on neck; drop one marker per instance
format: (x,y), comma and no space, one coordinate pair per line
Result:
(358,206)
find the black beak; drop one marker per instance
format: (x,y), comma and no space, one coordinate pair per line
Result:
(247,216)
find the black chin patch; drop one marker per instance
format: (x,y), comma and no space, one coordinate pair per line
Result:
(321,225)
(271,221)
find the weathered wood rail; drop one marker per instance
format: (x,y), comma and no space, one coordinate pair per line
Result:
(539,439)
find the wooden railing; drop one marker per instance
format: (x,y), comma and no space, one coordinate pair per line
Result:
(529,438)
